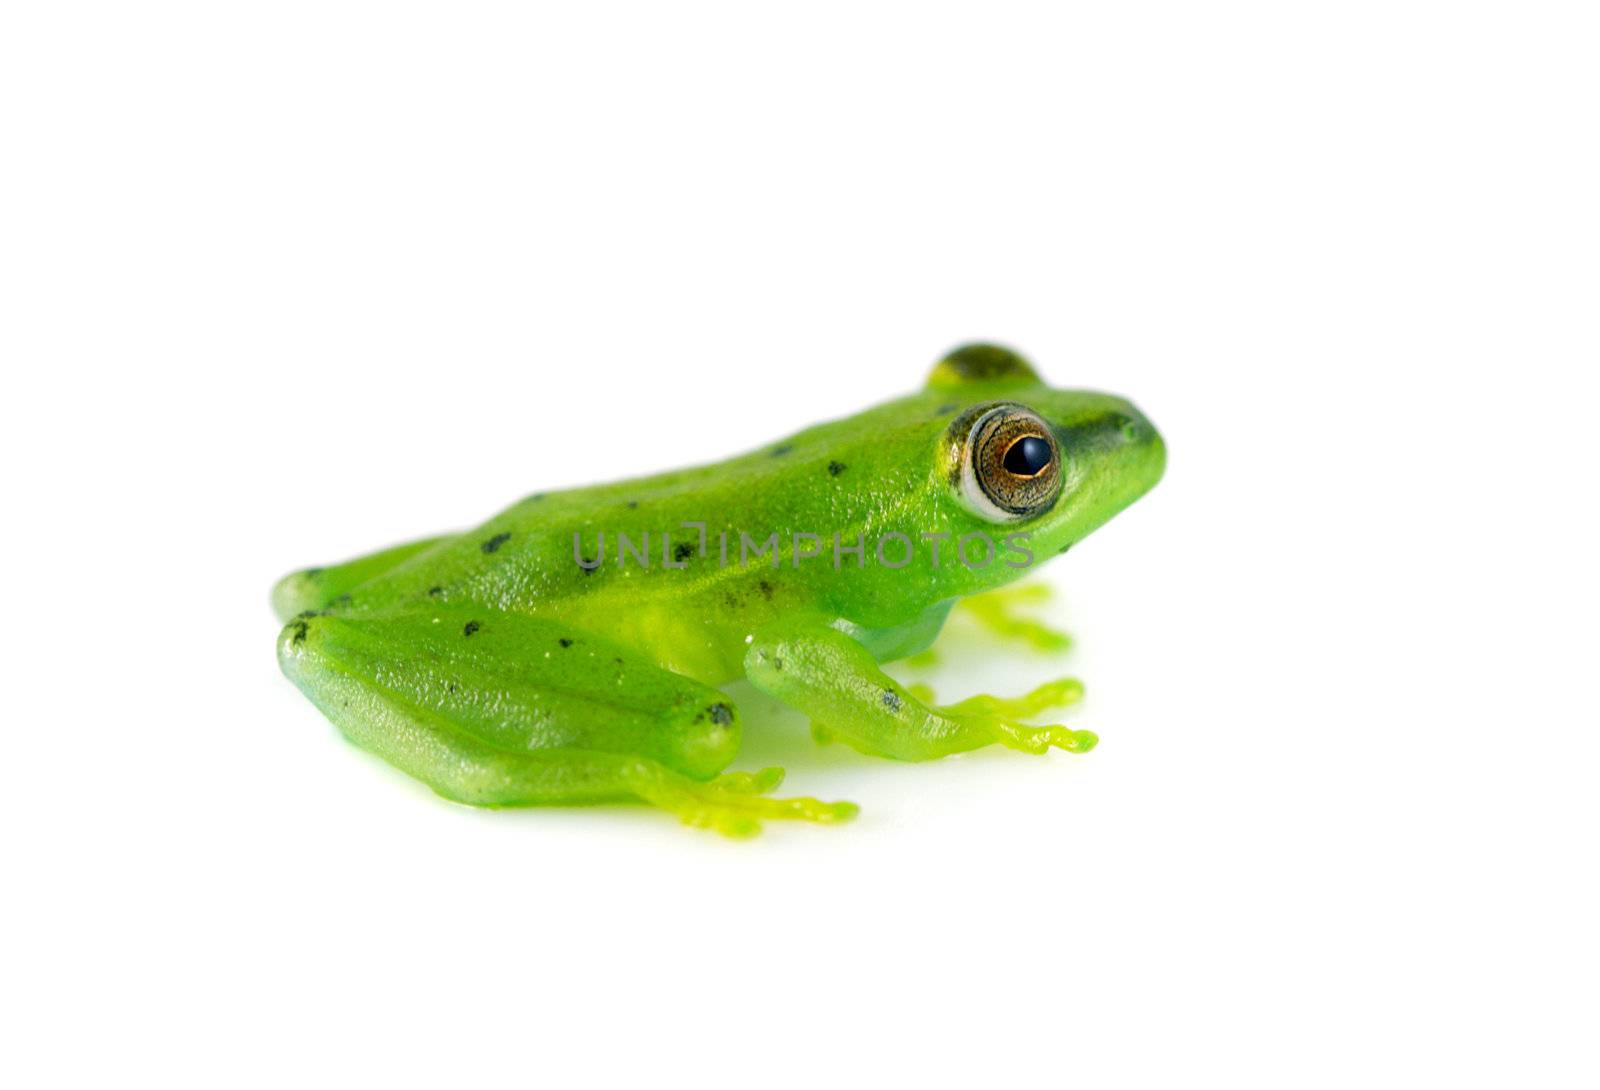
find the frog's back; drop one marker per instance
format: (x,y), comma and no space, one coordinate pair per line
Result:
(630,558)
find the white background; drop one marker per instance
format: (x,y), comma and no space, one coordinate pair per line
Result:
(283,283)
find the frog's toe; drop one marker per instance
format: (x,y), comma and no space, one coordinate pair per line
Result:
(732,804)
(839,811)
(804,808)
(750,783)
(740,815)
(1042,739)
(729,823)
(1003,717)
(1058,693)
(799,808)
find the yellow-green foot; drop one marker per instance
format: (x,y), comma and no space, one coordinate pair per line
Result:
(999,612)
(1003,716)
(732,804)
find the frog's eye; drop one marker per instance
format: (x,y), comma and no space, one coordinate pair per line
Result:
(1011,464)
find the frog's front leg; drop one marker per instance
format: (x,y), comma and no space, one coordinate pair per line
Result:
(497,709)
(836,681)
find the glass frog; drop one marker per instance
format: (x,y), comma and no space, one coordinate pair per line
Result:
(569,650)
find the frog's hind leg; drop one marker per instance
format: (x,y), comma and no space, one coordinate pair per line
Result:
(495,709)
(319,588)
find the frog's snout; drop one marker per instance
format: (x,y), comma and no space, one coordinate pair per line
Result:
(1142,445)
(1117,443)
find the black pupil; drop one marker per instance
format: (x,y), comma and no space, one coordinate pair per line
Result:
(1028,456)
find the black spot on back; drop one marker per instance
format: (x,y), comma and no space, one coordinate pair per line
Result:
(472,626)
(720,714)
(891,700)
(495,542)
(766,589)
(836,468)
(683,551)
(782,449)
(565,642)
(434,592)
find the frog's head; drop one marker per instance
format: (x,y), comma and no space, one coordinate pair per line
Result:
(1020,457)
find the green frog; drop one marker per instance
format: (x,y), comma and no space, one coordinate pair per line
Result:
(570,649)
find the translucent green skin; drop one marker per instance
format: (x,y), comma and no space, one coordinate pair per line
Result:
(492,666)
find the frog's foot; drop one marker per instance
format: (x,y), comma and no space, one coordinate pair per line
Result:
(732,804)
(999,612)
(1002,717)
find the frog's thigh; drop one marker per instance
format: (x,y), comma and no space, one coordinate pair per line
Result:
(501,710)
(514,683)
